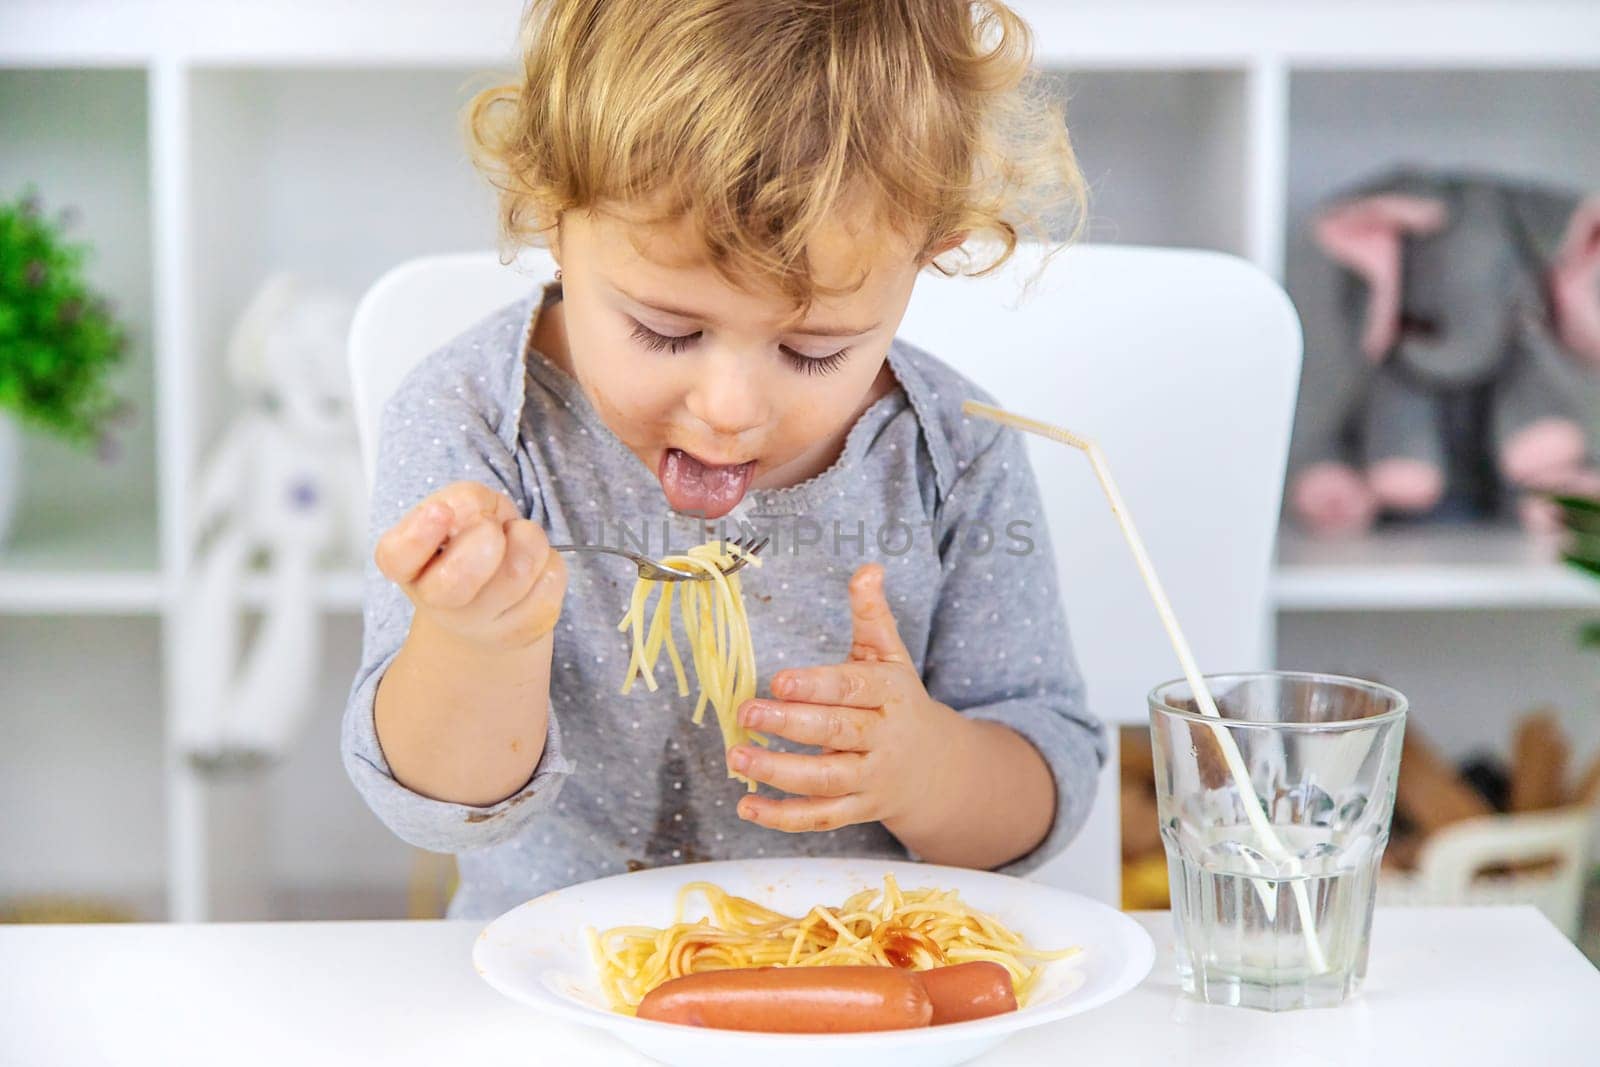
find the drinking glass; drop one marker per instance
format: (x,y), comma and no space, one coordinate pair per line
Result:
(1274,817)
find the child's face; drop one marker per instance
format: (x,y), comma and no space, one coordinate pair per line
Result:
(717,390)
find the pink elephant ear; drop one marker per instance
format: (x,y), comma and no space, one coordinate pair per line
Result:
(1364,235)
(1575,282)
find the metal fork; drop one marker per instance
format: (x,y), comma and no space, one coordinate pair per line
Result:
(656,571)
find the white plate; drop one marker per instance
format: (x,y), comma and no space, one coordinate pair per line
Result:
(536,953)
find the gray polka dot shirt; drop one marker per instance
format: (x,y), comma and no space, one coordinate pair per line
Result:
(948,505)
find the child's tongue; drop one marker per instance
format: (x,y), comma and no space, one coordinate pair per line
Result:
(697,488)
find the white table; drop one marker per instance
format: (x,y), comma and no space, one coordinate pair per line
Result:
(1446,986)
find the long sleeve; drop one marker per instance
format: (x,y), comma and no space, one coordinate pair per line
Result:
(998,646)
(435,430)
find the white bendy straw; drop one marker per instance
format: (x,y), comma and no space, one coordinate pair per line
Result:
(1272,846)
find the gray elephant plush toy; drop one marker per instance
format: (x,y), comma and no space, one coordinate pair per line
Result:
(1472,307)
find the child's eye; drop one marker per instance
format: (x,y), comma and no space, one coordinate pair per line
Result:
(660,342)
(814,364)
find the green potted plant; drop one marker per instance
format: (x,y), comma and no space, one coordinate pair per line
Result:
(1581,515)
(58,342)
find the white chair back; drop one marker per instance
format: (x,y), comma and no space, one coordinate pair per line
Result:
(1183,366)
(418,307)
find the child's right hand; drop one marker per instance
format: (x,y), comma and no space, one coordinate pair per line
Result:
(475,567)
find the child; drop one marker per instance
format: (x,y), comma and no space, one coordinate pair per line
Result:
(740,194)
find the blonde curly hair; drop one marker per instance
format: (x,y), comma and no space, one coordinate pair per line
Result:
(757,120)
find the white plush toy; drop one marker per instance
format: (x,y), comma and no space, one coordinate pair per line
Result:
(284,489)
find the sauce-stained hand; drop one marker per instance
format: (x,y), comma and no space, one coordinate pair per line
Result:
(886,743)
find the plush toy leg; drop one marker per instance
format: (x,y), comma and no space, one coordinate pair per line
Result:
(277,683)
(1542,515)
(1540,410)
(212,628)
(1542,453)
(1547,457)
(1404,445)
(1332,499)
(1409,485)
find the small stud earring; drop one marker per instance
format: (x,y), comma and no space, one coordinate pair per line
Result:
(558,275)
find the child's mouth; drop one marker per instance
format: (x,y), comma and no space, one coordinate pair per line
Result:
(695,487)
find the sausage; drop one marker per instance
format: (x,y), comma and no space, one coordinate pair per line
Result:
(968,991)
(793,1000)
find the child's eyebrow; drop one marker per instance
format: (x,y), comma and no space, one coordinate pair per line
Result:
(689,313)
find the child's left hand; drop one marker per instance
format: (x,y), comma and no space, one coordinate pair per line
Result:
(886,743)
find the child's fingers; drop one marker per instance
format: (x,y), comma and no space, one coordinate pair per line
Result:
(409,545)
(833,774)
(473,502)
(536,613)
(841,729)
(526,549)
(805,814)
(851,685)
(875,636)
(459,572)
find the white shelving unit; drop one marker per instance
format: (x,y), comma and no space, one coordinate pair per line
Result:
(206,144)
(1429,569)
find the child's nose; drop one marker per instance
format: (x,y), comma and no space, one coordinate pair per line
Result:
(730,398)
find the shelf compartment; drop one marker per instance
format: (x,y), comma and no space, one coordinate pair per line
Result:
(1347,126)
(84,770)
(1164,154)
(84,524)
(66,560)
(336,175)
